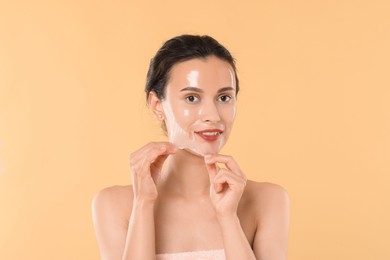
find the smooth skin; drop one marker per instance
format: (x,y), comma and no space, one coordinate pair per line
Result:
(194,202)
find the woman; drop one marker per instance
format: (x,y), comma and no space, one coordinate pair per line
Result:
(200,204)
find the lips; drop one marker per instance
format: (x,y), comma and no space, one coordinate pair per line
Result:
(210,134)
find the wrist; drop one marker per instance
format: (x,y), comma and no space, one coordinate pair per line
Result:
(228,219)
(142,204)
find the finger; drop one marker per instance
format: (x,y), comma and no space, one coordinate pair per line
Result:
(213,170)
(225,159)
(158,154)
(163,146)
(144,168)
(158,163)
(139,155)
(166,149)
(234,182)
(169,147)
(154,157)
(152,151)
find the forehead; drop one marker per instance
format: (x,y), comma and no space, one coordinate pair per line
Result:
(202,72)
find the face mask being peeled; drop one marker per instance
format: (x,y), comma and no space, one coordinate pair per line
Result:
(183,129)
(198,109)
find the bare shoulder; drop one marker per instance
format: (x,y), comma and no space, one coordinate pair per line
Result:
(271,209)
(115,199)
(114,193)
(111,208)
(261,190)
(264,196)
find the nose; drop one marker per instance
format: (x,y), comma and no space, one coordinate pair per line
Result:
(209,112)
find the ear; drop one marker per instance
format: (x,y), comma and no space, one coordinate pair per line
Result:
(154,103)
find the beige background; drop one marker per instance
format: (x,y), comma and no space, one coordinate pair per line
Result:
(313,115)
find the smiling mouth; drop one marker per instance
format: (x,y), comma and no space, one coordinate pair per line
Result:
(210,135)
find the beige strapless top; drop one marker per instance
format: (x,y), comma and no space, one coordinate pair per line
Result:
(218,254)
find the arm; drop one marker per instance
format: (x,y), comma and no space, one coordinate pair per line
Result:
(234,240)
(226,188)
(271,206)
(271,238)
(110,221)
(140,240)
(273,217)
(134,239)
(119,239)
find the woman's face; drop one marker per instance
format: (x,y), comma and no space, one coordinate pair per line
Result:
(200,104)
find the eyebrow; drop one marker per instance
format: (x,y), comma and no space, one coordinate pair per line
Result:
(194,89)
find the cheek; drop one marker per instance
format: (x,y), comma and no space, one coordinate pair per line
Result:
(228,114)
(186,113)
(185,117)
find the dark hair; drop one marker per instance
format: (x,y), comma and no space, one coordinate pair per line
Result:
(179,49)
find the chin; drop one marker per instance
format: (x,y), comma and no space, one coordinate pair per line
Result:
(205,148)
(198,146)
(193,152)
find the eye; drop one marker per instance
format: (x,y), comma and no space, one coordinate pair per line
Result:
(192,99)
(225,98)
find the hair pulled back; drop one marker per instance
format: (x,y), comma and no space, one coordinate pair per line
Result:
(179,49)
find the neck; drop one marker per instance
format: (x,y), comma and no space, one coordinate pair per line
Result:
(186,176)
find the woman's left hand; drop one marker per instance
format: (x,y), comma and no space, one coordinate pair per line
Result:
(226,184)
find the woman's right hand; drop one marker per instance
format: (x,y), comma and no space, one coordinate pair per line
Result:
(146,164)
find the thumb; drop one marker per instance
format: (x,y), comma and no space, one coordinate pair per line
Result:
(213,171)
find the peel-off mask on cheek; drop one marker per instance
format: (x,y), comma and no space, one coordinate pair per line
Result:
(183,127)
(199,105)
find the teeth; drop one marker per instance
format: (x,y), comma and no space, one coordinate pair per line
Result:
(210,133)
